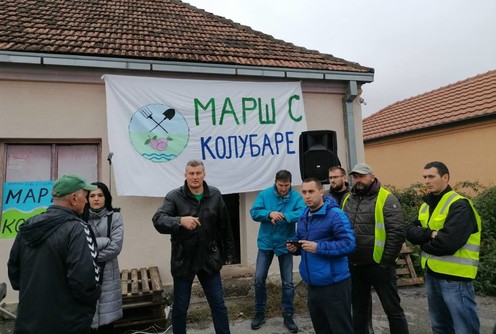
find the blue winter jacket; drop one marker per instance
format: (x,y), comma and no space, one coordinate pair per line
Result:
(331,229)
(270,236)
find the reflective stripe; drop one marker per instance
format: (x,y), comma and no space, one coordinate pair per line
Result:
(464,261)
(379,243)
(452,259)
(379,226)
(448,203)
(472,248)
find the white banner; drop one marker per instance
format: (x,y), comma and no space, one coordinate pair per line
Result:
(243,132)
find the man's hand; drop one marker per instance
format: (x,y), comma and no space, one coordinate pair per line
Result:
(433,234)
(291,247)
(189,222)
(308,246)
(275,216)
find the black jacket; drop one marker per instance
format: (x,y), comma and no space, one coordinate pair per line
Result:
(459,225)
(53,268)
(206,247)
(360,208)
(338,195)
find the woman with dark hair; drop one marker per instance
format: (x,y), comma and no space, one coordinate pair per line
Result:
(107,225)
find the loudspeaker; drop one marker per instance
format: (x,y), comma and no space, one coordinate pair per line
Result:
(318,153)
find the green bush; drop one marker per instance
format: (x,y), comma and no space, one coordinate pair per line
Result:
(485,203)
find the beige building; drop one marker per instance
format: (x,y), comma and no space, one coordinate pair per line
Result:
(455,124)
(53,103)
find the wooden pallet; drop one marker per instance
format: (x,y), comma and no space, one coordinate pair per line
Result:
(142,297)
(405,272)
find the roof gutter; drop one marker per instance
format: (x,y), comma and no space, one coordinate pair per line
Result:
(349,122)
(181,67)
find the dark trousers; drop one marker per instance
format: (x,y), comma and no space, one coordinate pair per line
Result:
(330,308)
(383,279)
(212,287)
(104,329)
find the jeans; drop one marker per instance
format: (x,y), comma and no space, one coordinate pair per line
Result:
(383,279)
(264,260)
(452,306)
(212,286)
(330,308)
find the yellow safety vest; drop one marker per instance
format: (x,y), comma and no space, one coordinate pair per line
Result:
(379,228)
(466,259)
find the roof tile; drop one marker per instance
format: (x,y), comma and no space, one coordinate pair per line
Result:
(150,29)
(464,100)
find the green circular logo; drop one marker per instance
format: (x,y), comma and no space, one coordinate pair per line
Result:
(158,133)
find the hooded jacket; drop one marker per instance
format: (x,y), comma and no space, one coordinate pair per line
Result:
(330,228)
(52,264)
(274,236)
(208,246)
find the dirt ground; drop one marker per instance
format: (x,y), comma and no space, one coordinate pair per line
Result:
(413,300)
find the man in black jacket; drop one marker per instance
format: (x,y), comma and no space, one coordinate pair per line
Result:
(379,228)
(52,264)
(339,187)
(197,219)
(448,230)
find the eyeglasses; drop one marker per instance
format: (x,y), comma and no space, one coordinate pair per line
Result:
(335,177)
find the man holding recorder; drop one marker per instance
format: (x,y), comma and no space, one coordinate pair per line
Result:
(324,239)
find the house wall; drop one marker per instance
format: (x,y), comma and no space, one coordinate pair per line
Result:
(61,104)
(467,150)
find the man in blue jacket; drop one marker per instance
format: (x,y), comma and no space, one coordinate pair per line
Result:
(325,238)
(277,209)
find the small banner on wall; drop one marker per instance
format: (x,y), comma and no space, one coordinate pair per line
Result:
(22,200)
(243,132)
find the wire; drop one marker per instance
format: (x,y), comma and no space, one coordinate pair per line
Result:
(150,330)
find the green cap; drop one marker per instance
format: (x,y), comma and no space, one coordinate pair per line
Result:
(68,184)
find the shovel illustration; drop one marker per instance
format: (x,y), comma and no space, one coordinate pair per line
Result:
(148,114)
(168,114)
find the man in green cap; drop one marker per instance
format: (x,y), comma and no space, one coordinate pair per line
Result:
(52,264)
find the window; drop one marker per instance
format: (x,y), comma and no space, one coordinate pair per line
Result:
(49,161)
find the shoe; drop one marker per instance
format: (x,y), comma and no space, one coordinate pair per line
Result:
(259,319)
(290,325)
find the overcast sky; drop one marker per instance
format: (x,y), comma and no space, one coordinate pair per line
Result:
(414,46)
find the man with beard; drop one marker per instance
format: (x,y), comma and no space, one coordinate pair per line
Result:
(379,228)
(339,187)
